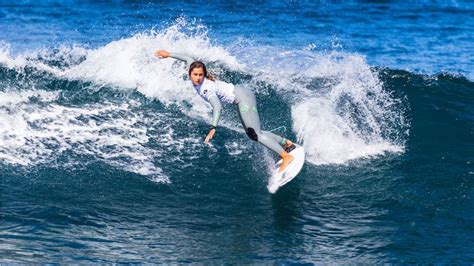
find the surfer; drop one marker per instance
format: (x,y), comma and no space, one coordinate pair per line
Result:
(215,92)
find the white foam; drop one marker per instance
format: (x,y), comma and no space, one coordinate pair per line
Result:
(351,117)
(32,134)
(9,97)
(37,59)
(328,136)
(234,148)
(8,60)
(130,64)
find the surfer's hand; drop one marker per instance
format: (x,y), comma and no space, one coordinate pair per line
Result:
(210,135)
(162,53)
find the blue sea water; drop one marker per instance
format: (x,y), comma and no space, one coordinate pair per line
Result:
(101,143)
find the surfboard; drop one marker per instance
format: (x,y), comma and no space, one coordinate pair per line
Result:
(277,180)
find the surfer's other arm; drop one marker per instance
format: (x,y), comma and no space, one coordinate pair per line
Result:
(216,110)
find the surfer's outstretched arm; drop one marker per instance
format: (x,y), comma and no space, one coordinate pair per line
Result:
(183,57)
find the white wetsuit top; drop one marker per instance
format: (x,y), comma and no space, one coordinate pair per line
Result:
(223,90)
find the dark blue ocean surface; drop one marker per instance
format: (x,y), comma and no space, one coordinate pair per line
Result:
(101,144)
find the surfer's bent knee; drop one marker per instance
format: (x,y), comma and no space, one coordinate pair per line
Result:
(251,133)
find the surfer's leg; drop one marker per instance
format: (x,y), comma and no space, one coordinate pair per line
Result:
(281,140)
(247,107)
(246,102)
(286,144)
(248,113)
(272,136)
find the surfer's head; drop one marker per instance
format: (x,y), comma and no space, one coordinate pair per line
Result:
(197,72)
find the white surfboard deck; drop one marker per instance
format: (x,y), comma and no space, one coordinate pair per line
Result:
(277,180)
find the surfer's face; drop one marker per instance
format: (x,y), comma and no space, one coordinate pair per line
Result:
(196,75)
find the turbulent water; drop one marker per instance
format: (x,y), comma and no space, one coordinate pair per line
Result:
(101,144)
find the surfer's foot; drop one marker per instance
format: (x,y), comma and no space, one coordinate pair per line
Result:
(289,146)
(287,159)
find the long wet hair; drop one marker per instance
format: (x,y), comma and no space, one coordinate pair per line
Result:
(199,64)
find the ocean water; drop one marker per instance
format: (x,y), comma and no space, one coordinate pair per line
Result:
(101,144)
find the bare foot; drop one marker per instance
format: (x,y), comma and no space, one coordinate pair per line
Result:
(287,159)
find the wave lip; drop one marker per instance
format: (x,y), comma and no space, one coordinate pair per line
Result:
(351,116)
(328,139)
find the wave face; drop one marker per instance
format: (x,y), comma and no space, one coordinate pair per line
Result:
(120,105)
(102,156)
